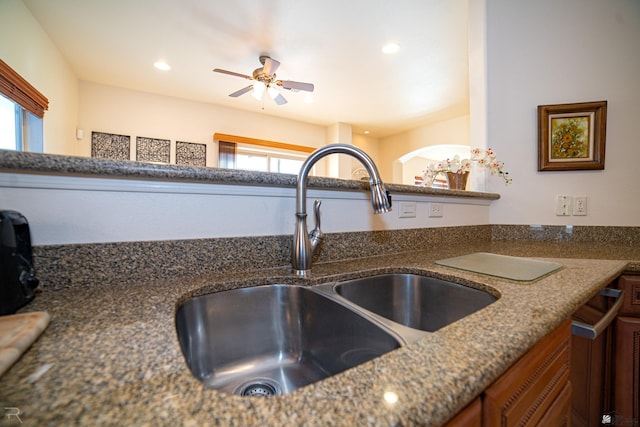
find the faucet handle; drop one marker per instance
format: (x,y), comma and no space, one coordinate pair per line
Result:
(316,234)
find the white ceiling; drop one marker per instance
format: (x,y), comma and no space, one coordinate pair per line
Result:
(335,44)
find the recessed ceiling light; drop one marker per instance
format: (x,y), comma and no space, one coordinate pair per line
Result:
(392,47)
(366,132)
(161,65)
(308,99)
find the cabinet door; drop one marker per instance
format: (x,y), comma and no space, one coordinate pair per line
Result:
(559,414)
(591,367)
(627,371)
(471,416)
(631,287)
(525,394)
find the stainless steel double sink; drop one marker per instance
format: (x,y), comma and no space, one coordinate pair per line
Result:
(272,339)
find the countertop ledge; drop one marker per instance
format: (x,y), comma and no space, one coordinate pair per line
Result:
(116,359)
(24,162)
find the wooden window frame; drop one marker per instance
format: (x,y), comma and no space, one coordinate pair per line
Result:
(20,91)
(262,142)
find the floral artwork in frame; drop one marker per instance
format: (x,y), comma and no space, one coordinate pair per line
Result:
(572,136)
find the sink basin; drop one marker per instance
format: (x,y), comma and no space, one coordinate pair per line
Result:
(419,302)
(272,339)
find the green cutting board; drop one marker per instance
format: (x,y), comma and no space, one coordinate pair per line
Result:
(508,267)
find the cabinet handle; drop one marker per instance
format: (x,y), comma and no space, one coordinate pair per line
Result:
(592,331)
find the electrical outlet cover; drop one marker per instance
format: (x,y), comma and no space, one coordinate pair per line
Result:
(436,210)
(580,205)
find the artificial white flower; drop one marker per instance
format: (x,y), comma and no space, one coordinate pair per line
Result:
(485,159)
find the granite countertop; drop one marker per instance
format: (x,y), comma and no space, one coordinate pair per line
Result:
(114,358)
(25,162)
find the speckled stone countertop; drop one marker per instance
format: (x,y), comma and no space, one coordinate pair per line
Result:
(23,162)
(115,359)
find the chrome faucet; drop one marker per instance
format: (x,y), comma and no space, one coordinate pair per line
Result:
(305,243)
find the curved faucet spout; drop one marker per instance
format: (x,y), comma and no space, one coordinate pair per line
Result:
(305,245)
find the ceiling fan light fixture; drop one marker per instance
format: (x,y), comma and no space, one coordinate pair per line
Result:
(258,90)
(273,92)
(264,79)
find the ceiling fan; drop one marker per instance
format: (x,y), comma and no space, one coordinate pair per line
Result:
(264,79)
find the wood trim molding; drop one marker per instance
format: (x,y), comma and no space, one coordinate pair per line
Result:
(262,142)
(526,391)
(16,88)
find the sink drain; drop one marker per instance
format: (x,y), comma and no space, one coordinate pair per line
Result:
(259,388)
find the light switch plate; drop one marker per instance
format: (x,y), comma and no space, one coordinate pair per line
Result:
(407,210)
(563,205)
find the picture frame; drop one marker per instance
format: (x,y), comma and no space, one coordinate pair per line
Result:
(572,136)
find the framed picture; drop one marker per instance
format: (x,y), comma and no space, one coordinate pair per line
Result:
(571,136)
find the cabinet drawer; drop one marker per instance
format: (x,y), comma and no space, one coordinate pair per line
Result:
(630,284)
(559,414)
(525,394)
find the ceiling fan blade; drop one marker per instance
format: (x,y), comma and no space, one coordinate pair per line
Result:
(231,73)
(280,100)
(241,91)
(288,84)
(270,66)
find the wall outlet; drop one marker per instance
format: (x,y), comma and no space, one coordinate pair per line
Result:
(407,210)
(436,210)
(580,205)
(563,205)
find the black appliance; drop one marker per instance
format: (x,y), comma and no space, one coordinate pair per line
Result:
(17,275)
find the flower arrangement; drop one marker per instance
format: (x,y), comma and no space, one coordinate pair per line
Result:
(486,159)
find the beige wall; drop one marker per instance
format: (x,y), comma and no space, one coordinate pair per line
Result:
(565,61)
(371,146)
(453,131)
(412,168)
(27,49)
(368,144)
(122,111)
(128,112)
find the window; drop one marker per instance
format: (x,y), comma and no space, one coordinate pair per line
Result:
(21,111)
(19,129)
(8,119)
(266,160)
(238,152)
(252,162)
(284,165)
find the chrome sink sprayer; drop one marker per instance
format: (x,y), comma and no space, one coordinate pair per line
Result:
(305,243)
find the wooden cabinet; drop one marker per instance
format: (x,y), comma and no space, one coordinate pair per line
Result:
(627,371)
(536,390)
(631,300)
(591,367)
(471,416)
(626,390)
(559,413)
(549,387)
